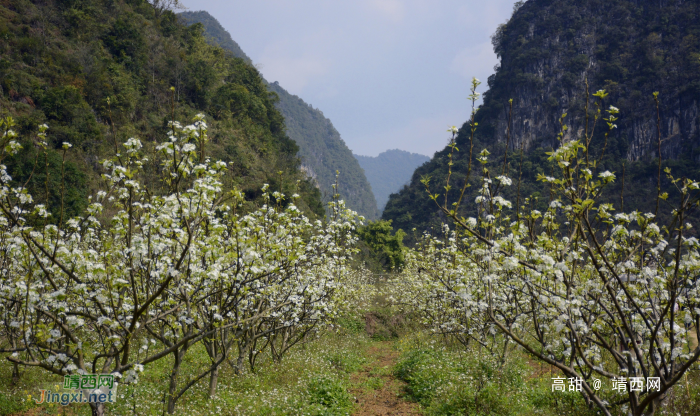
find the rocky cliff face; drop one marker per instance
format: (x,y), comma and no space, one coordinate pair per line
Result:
(549,49)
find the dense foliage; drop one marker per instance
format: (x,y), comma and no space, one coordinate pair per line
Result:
(322,150)
(381,246)
(100,72)
(215,32)
(389,171)
(549,50)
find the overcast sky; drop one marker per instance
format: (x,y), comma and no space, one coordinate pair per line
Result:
(388,73)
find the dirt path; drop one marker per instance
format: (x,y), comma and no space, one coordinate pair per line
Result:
(377,390)
(693,339)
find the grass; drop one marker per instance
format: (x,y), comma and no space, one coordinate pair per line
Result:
(452,380)
(315,379)
(373,383)
(312,380)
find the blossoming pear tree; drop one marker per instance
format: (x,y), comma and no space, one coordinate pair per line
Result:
(598,295)
(161,260)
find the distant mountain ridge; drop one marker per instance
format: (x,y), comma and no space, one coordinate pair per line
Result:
(321,149)
(323,152)
(389,171)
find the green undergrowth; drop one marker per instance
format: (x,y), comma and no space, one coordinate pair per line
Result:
(314,379)
(453,380)
(384,323)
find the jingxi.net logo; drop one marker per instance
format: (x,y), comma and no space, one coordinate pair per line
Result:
(86,388)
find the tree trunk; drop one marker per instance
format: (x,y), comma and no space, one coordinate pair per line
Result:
(239,362)
(504,354)
(15,374)
(15,366)
(213,380)
(98,409)
(242,349)
(172,389)
(652,407)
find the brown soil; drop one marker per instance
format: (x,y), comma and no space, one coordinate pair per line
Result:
(540,369)
(377,391)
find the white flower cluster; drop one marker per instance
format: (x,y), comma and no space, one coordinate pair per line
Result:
(155,267)
(594,293)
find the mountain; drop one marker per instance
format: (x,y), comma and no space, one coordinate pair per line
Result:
(629,48)
(548,51)
(389,171)
(215,32)
(99,72)
(323,152)
(321,149)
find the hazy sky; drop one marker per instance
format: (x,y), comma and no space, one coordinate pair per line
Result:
(388,73)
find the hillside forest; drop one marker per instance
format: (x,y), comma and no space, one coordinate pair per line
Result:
(101,72)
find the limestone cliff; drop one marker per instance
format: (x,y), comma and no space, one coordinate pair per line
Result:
(548,50)
(630,48)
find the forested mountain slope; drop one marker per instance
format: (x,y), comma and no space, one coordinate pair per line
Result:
(548,49)
(321,149)
(323,152)
(389,171)
(100,71)
(214,31)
